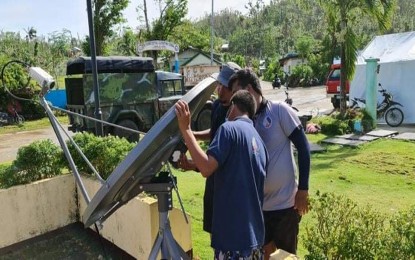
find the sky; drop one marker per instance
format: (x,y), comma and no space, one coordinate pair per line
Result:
(48,16)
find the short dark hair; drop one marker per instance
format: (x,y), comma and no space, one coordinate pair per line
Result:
(245,102)
(245,77)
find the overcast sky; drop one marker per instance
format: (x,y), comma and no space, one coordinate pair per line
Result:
(48,16)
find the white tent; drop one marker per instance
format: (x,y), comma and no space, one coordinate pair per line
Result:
(396,54)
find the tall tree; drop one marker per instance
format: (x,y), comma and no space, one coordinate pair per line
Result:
(341,16)
(107,14)
(172,13)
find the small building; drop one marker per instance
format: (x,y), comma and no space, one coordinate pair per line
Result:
(290,61)
(195,65)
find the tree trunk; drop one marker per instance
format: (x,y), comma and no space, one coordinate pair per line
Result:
(146,17)
(343,68)
(343,80)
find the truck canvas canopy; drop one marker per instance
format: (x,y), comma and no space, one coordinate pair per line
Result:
(111,64)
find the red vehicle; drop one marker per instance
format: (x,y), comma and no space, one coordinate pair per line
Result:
(333,85)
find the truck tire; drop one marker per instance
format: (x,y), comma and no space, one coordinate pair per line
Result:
(130,136)
(203,119)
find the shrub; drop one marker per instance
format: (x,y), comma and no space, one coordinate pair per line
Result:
(400,244)
(300,76)
(39,160)
(342,230)
(330,125)
(105,153)
(44,159)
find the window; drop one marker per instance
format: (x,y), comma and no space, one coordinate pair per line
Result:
(335,75)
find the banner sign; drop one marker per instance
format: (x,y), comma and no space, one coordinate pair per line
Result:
(157,45)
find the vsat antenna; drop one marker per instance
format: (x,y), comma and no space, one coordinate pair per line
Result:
(141,170)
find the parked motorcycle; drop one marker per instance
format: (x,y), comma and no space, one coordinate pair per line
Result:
(388,108)
(289,100)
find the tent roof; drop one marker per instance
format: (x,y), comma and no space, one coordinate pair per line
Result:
(390,48)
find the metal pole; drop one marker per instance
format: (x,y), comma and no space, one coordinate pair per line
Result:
(211,36)
(98,114)
(371,88)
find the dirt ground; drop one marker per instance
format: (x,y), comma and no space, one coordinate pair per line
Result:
(71,242)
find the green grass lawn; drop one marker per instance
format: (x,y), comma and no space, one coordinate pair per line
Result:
(380,174)
(32,125)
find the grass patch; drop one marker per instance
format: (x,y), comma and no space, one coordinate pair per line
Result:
(380,174)
(31,125)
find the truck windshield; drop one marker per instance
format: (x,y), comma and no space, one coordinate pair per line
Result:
(171,88)
(335,75)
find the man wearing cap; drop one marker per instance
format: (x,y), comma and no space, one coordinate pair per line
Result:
(219,110)
(237,158)
(285,199)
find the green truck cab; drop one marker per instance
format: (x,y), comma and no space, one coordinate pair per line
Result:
(132,94)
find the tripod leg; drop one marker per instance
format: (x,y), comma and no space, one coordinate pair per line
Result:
(156,247)
(175,251)
(166,243)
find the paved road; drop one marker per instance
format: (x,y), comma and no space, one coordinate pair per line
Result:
(306,100)
(10,143)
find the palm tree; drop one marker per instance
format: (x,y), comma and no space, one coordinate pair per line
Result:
(341,16)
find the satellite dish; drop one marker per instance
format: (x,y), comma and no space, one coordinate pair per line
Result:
(145,160)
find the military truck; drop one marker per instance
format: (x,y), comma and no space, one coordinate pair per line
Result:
(132,94)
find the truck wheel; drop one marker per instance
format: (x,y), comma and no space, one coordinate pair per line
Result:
(203,119)
(130,136)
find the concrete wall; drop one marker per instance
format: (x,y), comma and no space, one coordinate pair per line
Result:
(134,226)
(34,209)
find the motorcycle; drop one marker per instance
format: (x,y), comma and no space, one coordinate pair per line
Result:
(388,108)
(289,100)
(276,83)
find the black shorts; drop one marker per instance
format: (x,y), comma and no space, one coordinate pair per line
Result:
(282,226)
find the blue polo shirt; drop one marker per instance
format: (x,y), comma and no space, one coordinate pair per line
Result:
(237,222)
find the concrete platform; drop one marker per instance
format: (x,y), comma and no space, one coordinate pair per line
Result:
(405,136)
(382,133)
(359,137)
(343,141)
(315,148)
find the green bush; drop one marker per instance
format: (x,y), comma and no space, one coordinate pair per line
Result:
(342,230)
(300,76)
(330,125)
(44,159)
(105,153)
(400,244)
(39,160)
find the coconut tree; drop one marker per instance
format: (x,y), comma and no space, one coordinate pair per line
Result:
(341,16)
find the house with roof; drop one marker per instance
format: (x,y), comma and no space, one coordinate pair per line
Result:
(195,65)
(291,60)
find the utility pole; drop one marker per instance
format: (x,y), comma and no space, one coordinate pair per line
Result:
(211,36)
(98,114)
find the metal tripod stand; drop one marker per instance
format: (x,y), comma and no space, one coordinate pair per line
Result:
(164,242)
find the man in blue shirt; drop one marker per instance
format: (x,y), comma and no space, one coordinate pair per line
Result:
(219,110)
(237,157)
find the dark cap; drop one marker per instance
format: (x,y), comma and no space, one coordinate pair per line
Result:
(226,73)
